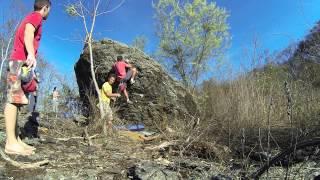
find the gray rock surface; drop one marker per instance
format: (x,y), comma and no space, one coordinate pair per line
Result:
(149,171)
(178,170)
(157,97)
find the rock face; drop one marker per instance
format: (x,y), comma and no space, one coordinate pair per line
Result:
(157,97)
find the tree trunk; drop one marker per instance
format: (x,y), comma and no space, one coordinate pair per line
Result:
(102,113)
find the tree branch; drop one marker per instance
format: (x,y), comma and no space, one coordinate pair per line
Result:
(83,18)
(67,39)
(162,145)
(76,137)
(23,165)
(87,136)
(110,11)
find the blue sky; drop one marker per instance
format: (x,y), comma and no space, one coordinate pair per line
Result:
(276,23)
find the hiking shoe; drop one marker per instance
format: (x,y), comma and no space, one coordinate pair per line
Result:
(132,81)
(129,102)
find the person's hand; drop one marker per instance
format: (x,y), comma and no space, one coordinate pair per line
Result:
(31,61)
(118,95)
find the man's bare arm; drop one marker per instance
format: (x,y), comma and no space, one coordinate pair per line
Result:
(28,41)
(113,95)
(129,65)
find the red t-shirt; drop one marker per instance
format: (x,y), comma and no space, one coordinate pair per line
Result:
(120,68)
(19,51)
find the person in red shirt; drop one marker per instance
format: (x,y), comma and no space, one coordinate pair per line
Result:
(25,49)
(124,76)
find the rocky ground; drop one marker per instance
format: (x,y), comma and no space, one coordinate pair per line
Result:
(70,156)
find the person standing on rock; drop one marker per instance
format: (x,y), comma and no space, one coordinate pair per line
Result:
(25,48)
(124,76)
(106,96)
(55,100)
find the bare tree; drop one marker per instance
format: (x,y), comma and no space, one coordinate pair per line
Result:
(88,13)
(6,37)
(140,42)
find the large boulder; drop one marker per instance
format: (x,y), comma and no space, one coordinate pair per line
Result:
(157,97)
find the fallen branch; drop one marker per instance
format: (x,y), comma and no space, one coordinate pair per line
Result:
(284,154)
(162,145)
(91,137)
(76,137)
(187,140)
(23,165)
(87,136)
(67,139)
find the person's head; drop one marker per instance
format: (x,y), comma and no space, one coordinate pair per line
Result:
(43,7)
(55,88)
(119,58)
(111,78)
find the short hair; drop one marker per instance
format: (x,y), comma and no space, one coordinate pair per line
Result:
(39,4)
(112,76)
(119,58)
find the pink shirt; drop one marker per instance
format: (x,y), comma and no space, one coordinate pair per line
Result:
(120,68)
(19,51)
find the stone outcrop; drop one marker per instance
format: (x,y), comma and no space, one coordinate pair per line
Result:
(157,97)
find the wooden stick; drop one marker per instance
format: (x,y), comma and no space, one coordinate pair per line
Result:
(87,136)
(76,137)
(67,139)
(162,145)
(23,165)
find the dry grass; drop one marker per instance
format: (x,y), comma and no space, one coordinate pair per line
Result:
(255,101)
(96,123)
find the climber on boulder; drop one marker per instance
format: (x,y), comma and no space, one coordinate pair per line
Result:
(126,73)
